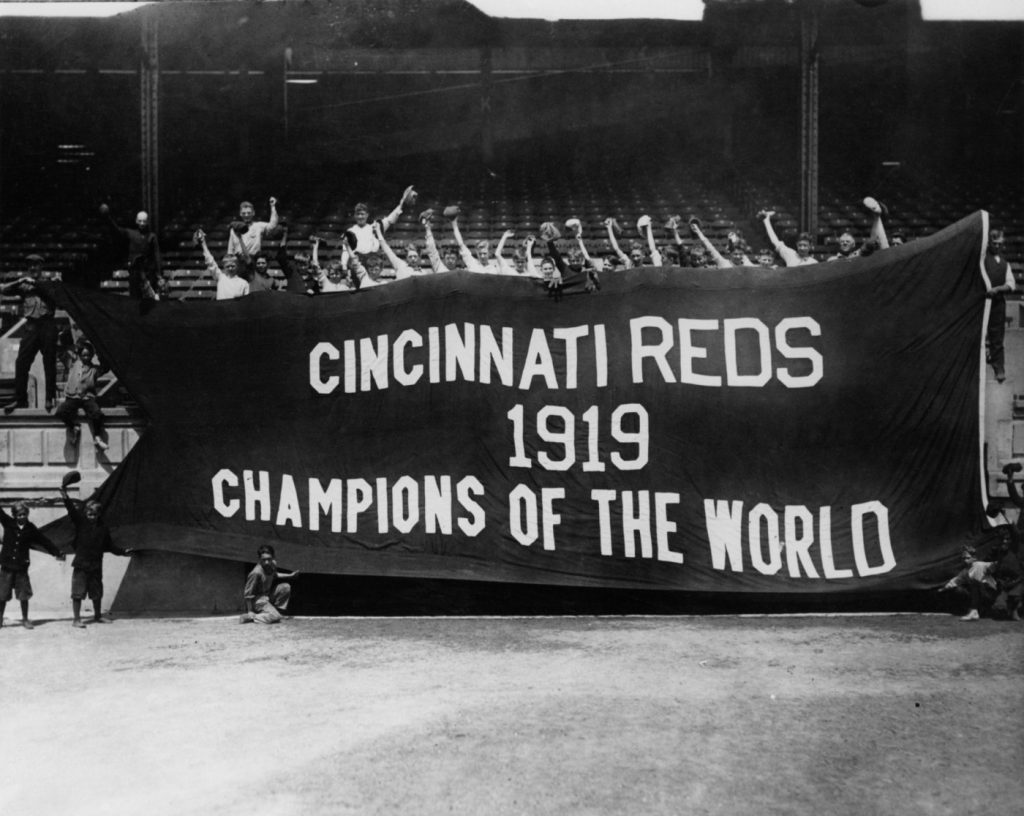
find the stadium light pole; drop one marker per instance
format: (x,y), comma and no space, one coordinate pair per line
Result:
(809,64)
(149,104)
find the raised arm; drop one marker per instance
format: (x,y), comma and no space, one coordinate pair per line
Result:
(651,246)
(610,225)
(73,507)
(468,258)
(105,212)
(499,253)
(432,253)
(720,260)
(402,269)
(211,262)
(315,240)
(531,267)
(389,220)
(788,254)
(274,220)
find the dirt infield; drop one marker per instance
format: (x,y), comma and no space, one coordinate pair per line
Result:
(742,715)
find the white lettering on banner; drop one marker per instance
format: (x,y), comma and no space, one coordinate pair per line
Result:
(732,366)
(288,510)
(527,520)
(466,489)
(403,375)
(539,362)
(221,479)
(399,506)
(325,501)
(459,353)
(256,494)
(563,434)
(813,355)
(570,336)
(799,537)
(690,351)
(637,524)
(653,338)
(469,352)
(316,379)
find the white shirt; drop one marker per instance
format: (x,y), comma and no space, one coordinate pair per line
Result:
(252,238)
(229,288)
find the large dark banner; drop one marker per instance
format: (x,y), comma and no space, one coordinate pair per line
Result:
(814,429)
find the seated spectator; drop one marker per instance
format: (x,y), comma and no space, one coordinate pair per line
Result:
(266,596)
(229,284)
(347,273)
(848,248)
(245,237)
(300,277)
(738,255)
(261,278)
(480,260)
(80,391)
(801,256)
(403,268)
(766,259)
(362,232)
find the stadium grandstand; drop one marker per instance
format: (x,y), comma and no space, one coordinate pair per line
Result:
(184,110)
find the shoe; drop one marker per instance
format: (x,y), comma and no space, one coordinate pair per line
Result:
(74,434)
(28,624)
(10,407)
(102,620)
(1000,374)
(49,406)
(971,616)
(875,206)
(78,624)
(100,444)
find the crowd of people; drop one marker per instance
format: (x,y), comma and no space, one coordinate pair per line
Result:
(992,579)
(363,254)
(265,594)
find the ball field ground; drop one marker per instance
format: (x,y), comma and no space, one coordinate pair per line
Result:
(880,714)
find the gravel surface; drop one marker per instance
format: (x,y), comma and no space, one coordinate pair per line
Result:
(797,715)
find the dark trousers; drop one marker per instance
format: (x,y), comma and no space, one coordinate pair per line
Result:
(67,413)
(996,333)
(38,335)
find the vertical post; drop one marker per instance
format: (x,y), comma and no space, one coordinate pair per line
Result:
(287,65)
(809,18)
(486,117)
(149,97)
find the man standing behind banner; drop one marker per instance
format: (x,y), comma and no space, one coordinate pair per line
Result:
(266,598)
(143,255)
(1000,276)
(39,335)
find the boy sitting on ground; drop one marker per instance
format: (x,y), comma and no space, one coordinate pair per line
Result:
(266,598)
